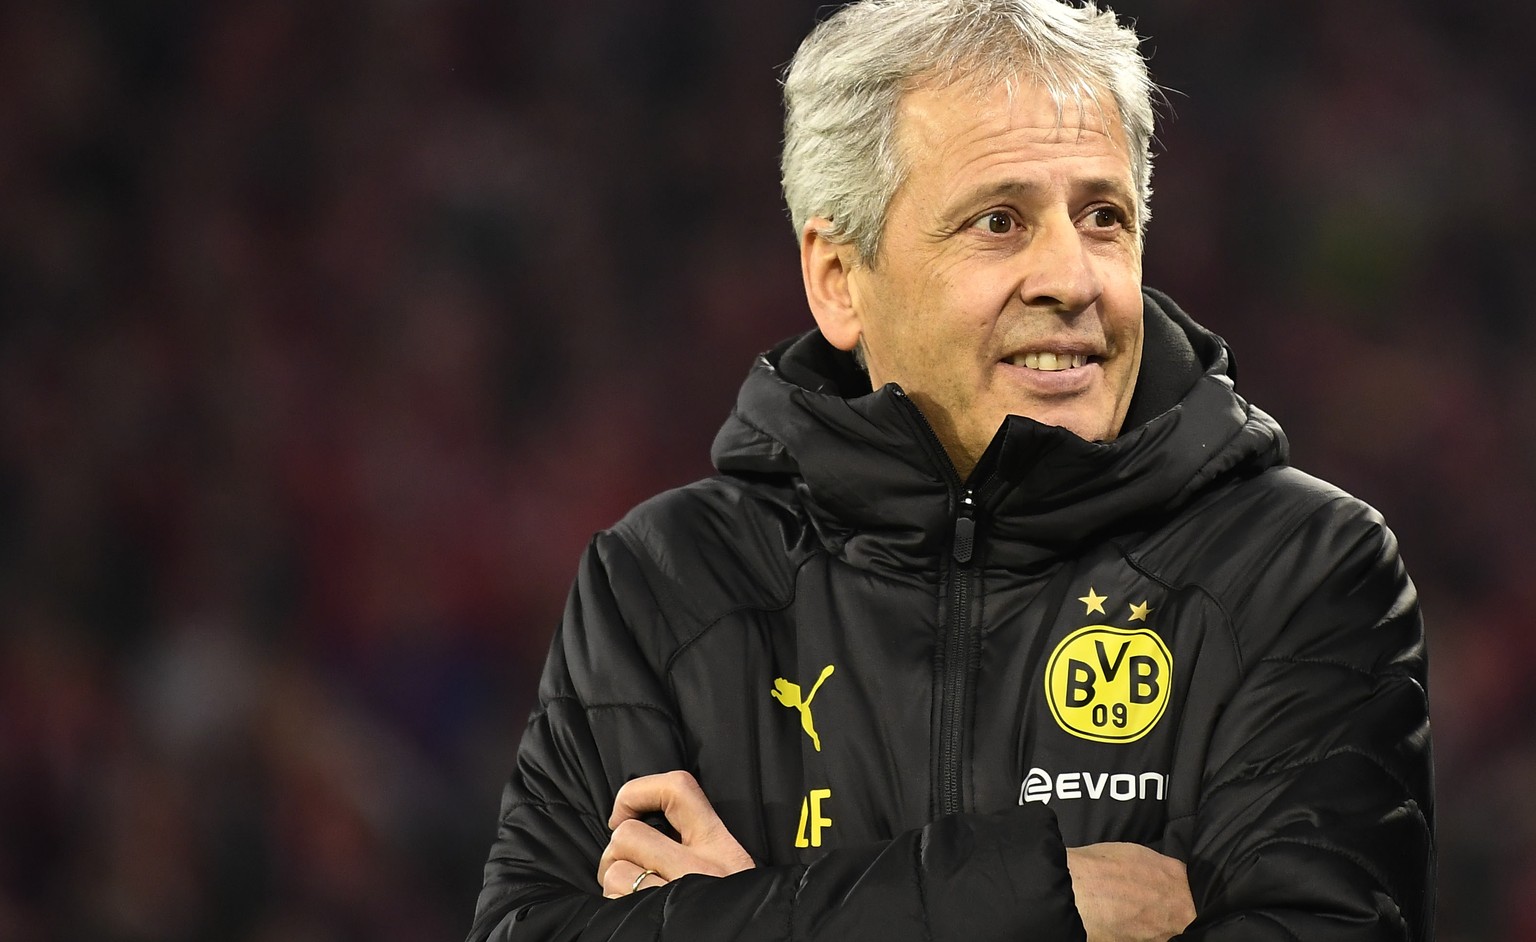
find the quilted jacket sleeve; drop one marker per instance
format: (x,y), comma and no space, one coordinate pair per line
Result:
(1316,820)
(605,717)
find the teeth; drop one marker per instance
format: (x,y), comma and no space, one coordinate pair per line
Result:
(1051,362)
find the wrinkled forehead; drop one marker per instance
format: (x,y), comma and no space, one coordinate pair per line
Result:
(1079,100)
(1077,104)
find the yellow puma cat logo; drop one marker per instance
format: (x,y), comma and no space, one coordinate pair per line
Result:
(788,694)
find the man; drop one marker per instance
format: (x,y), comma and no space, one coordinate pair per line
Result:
(1004,618)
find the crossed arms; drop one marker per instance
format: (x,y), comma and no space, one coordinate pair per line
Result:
(1123,892)
(1314,819)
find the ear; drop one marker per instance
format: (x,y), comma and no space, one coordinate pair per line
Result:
(825,266)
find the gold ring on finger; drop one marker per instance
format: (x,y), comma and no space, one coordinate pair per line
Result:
(635,887)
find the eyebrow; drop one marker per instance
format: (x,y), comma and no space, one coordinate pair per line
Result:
(1093,186)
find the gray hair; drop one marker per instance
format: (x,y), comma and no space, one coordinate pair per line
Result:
(843,88)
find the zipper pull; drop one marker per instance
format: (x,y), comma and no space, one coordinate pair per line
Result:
(965,529)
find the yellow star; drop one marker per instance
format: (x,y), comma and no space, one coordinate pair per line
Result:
(1140,612)
(1094,601)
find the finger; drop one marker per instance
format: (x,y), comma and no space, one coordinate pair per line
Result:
(642,844)
(636,842)
(650,793)
(624,878)
(676,795)
(605,861)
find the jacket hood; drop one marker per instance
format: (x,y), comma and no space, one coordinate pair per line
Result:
(882,492)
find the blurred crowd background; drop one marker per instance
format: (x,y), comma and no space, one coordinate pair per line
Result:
(329,332)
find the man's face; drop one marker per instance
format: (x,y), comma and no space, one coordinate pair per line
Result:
(1009,276)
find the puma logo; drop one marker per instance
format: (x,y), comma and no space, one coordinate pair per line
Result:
(788,694)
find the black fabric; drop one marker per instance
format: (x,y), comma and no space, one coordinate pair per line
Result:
(936,773)
(1170,365)
(880,487)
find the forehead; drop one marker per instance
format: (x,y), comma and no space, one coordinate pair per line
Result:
(955,126)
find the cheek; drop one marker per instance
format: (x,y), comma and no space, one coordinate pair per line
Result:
(966,312)
(937,315)
(1123,307)
(1122,292)
(1130,340)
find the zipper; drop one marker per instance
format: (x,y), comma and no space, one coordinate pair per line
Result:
(958,643)
(959,639)
(965,530)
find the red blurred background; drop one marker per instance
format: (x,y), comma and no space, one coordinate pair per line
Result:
(330,332)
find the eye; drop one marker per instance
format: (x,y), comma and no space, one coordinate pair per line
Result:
(997,222)
(1106,217)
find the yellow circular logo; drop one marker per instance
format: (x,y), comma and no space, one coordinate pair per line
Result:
(1109,684)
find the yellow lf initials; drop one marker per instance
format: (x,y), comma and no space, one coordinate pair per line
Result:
(812,820)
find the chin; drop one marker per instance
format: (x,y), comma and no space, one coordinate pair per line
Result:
(1093,428)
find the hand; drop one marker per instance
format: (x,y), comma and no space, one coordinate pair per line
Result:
(704,845)
(1129,893)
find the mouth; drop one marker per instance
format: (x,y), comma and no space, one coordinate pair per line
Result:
(1050,361)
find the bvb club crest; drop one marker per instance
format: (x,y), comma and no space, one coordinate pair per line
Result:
(1109,684)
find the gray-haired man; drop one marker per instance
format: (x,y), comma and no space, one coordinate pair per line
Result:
(1005,617)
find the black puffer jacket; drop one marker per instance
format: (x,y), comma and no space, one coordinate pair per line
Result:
(906,697)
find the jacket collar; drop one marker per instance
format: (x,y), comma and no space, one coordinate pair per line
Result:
(882,493)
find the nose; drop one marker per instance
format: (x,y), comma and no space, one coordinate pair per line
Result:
(1059,270)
